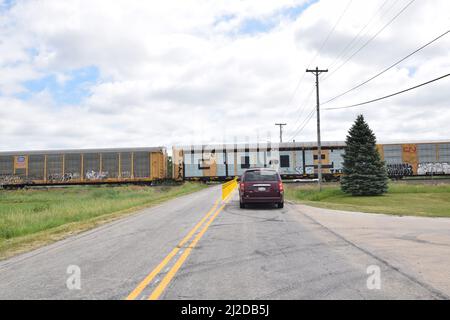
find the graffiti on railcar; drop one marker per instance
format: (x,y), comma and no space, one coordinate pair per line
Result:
(429,168)
(180,171)
(55,177)
(298,170)
(125,174)
(309,169)
(71,176)
(399,170)
(94,175)
(11,179)
(66,177)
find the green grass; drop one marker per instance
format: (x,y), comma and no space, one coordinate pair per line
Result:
(401,199)
(30,218)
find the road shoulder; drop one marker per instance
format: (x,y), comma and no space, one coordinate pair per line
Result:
(21,245)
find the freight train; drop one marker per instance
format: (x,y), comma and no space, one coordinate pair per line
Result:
(294,160)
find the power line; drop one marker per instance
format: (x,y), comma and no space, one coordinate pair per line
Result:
(389,68)
(296,131)
(331,32)
(370,40)
(390,95)
(303,124)
(350,44)
(320,49)
(303,104)
(308,117)
(307,98)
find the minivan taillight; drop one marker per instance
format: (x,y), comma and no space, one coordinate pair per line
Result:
(242,186)
(280,186)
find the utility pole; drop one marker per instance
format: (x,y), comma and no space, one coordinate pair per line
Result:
(317,72)
(281,130)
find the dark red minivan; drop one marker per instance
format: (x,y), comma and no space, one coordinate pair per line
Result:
(261,185)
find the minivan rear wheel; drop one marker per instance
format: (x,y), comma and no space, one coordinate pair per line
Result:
(280,205)
(241,205)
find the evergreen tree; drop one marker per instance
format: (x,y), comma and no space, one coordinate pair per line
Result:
(364,172)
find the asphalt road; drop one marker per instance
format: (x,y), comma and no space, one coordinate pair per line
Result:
(197,247)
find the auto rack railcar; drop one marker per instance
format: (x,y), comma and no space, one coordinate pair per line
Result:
(297,160)
(423,158)
(293,160)
(86,166)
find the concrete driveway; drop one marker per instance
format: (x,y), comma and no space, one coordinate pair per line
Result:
(418,247)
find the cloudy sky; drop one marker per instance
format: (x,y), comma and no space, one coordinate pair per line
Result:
(123,73)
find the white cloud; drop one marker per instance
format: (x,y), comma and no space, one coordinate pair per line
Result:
(181,72)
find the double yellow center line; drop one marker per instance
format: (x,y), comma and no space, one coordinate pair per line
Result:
(212,214)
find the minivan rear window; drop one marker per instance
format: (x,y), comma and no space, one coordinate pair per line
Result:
(261,175)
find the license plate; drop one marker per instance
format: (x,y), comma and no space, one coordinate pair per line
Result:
(261,189)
